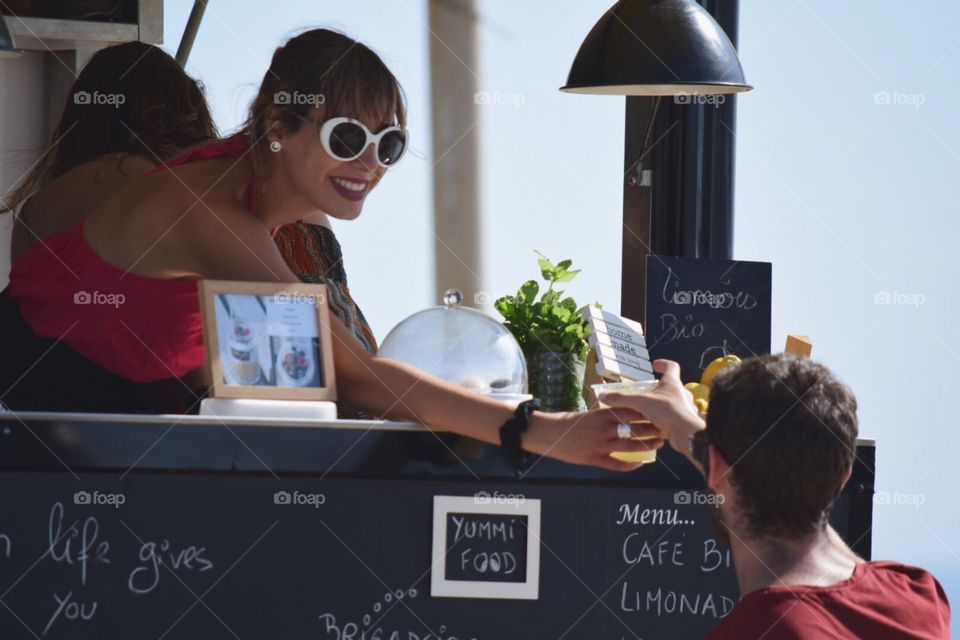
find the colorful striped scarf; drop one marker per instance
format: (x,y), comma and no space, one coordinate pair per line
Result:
(313,254)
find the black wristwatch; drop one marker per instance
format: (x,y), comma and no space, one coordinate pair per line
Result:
(511,434)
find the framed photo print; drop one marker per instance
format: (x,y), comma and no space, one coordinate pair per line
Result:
(267,340)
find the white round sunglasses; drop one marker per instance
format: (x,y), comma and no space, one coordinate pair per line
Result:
(346,139)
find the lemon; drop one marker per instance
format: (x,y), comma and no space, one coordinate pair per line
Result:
(699,390)
(714,367)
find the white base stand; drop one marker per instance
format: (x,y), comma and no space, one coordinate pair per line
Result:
(273,409)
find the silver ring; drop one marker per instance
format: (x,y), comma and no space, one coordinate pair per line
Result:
(624,432)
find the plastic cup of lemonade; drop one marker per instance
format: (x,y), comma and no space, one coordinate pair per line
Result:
(642,386)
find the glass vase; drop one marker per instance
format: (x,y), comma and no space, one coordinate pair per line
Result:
(556,379)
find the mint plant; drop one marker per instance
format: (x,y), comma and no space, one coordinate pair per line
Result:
(552,322)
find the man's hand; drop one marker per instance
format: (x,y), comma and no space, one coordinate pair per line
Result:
(669,406)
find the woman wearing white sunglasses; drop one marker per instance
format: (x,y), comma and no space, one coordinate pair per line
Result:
(327,122)
(289,99)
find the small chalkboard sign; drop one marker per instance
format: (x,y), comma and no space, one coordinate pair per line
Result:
(699,310)
(486,548)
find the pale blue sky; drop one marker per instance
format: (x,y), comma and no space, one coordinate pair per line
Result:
(846,195)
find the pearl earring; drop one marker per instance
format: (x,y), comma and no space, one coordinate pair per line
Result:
(275,146)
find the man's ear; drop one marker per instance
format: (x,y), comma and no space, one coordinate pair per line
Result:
(719,471)
(846,478)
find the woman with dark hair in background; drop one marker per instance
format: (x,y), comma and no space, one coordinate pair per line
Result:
(131,107)
(320,150)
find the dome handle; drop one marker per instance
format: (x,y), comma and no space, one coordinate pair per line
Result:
(452,297)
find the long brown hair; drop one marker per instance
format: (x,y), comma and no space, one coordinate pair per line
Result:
(326,68)
(131,98)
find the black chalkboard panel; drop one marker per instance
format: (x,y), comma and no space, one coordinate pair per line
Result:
(196,539)
(486,547)
(185,557)
(698,310)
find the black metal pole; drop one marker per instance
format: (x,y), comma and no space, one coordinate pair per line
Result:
(190,31)
(637,210)
(687,208)
(720,142)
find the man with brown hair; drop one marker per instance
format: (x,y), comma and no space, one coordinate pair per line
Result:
(778,446)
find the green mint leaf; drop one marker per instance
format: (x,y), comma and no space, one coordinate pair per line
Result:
(547,270)
(528,292)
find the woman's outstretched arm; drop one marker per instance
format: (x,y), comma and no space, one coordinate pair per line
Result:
(393,390)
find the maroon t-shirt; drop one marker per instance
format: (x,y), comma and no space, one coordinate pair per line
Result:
(880,601)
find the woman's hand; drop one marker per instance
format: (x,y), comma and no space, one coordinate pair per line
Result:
(589,438)
(669,406)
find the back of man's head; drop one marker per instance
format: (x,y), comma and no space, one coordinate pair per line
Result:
(788,428)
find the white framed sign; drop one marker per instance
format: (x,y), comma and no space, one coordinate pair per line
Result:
(620,346)
(616,364)
(615,326)
(485,548)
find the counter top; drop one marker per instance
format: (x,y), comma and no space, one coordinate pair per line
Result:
(119,443)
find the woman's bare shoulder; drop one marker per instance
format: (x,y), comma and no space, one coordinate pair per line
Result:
(200,212)
(108,172)
(125,166)
(73,195)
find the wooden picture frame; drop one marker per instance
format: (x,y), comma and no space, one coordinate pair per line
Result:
(268,340)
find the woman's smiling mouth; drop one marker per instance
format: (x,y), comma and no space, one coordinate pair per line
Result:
(350,189)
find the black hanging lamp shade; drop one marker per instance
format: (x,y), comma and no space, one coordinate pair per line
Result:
(656,48)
